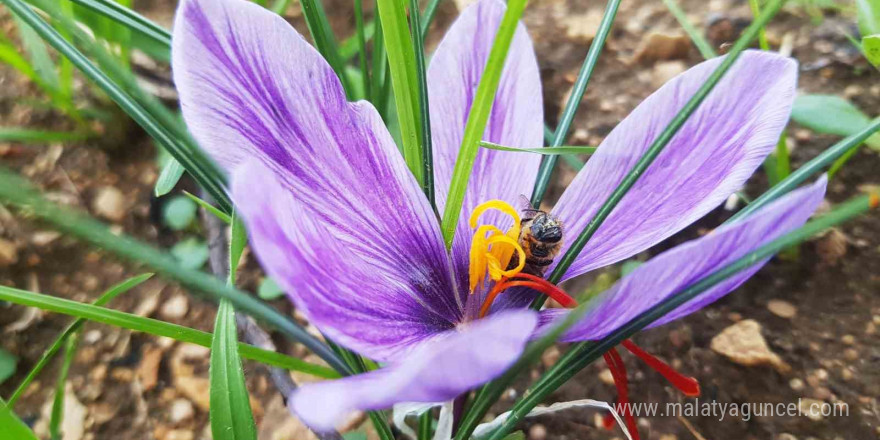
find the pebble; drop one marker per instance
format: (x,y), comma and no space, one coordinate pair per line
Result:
(786,436)
(582,27)
(659,47)
(44,238)
(537,432)
(782,309)
(181,409)
(175,308)
(851,354)
(743,344)
(606,377)
(848,339)
(846,373)
(550,356)
(811,408)
(8,253)
(109,202)
(796,384)
(665,71)
(668,437)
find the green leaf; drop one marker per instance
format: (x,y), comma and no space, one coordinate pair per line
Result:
(831,114)
(38,55)
(871,48)
(192,253)
(57,415)
(73,328)
(868,16)
(544,150)
(8,362)
(402,65)
(518,435)
(478,117)
(210,208)
(237,243)
(128,18)
(11,427)
(355,435)
(29,136)
(171,173)
(269,289)
(231,416)
(179,212)
(154,327)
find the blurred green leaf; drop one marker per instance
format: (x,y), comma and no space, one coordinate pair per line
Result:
(871,48)
(543,150)
(831,114)
(28,136)
(8,362)
(38,54)
(11,427)
(231,416)
(210,208)
(869,16)
(355,435)
(171,173)
(179,212)
(192,253)
(269,289)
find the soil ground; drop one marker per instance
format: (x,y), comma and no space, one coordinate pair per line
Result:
(135,386)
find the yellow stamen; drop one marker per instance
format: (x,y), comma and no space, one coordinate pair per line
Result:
(491,255)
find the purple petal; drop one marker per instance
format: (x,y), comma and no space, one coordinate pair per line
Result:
(335,214)
(438,370)
(516,118)
(713,154)
(375,281)
(683,265)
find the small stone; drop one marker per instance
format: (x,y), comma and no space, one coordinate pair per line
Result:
(785,436)
(109,203)
(606,377)
(846,373)
(734,316)
(550,356)
(8,253)
(822,393)
(178,434)
(782,309)
(181,409)
(665,71)
(811,408)
(537,432)
(582,27)
(659,47)
(148,370)
(796,384)
(848,339)
(44,238)
(743,344)
(175,308)
(832,247)
(668,437)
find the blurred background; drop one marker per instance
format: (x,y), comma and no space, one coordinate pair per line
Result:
(804,328)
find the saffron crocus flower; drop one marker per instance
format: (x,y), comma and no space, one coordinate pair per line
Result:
(335,216)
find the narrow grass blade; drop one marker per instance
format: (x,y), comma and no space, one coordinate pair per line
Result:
(155,327)
(171,173)
(192,159)
(542,181)
(11,427)
(582,354)
(237,243)
(210,208)
(231,415)
(695,35)
(56,417)
(428,16)
(755,5)
(808,169)
(30,136)
(17,192)
(379,73)
(361,38)
(128,18)
(73,328)
(544,150)
(659,143)
(38,55)
(402,66)
(423,108)
(350,46)
(479,117)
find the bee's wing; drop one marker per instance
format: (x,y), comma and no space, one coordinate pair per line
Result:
(525,205)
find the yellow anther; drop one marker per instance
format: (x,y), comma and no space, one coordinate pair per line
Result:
(492,254)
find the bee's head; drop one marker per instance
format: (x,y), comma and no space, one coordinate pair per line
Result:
(547,229)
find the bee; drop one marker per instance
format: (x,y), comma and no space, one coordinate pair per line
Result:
(540,237)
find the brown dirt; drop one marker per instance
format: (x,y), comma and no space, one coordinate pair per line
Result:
(831,343)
